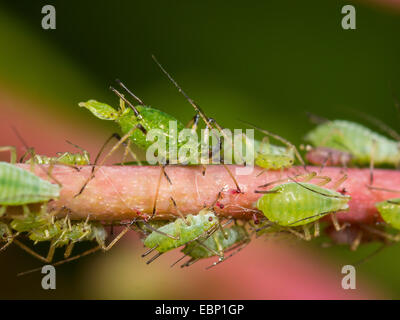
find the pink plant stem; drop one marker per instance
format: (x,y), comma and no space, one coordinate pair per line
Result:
(124,192)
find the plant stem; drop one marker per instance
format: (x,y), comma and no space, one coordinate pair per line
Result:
(123,192)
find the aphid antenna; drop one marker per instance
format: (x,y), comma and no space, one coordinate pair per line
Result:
(381,189)
(90,251)
(121,96)
(378,123)
(311,217)
(279,138)
(371,255)
(75,145)
(393,202)
(316,119)
(130,92)
(200,112)
(308,176)
(321,193)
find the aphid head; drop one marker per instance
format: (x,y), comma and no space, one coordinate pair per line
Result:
(101,110)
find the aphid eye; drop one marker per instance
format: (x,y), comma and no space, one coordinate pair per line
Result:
(210,219)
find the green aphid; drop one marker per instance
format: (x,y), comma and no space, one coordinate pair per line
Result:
(216,244)
(138,120)
(272,157)
(390,212)
(31,220)
(21,187)
(296,204)
(63,158)
(362,143)
(181,231)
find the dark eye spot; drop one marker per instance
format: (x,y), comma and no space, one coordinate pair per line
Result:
(210,219)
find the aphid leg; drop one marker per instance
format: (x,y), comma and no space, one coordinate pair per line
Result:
(239,248)
(114,148)
(116,239)
(297,234)
(380,233)
(307,234)
(87,252)
(324,180)
(336,222)
(13,153)
(156,195)
(160,232)
(339,182)
(316,229)
(202,115)
(68,250)
(357,241)
(31,252)
(179,211)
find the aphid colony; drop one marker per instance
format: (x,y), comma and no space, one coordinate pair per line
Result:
(292,205)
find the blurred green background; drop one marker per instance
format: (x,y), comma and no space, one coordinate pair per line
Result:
(264,62)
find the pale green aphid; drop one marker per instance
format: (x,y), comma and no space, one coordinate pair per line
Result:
(296,204)
(362,143)
(183,230)
(65,158)
(21,187)
(216,244)
(59,233)
(136,120)
(269,156)
(390,212)
(272,157)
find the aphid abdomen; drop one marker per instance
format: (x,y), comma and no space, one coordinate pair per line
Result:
(152,119)
(360,141)
(198,225)
(328,156)
(18,186)
(390,212)
(296,204)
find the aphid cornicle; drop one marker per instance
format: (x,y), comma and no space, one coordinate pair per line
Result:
(296,204)
(362,143)
(216,245)
(183,230)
